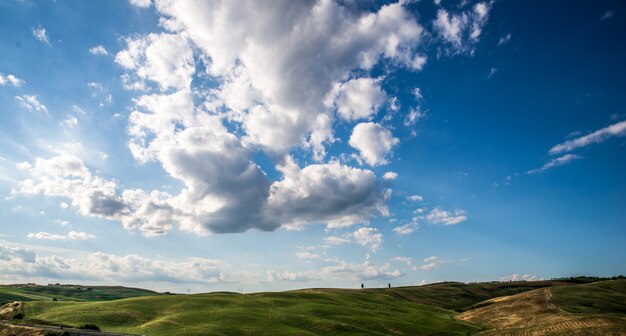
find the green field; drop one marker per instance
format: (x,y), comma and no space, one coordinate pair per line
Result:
(606,298)
(417,310)
(9,293)
(288,313)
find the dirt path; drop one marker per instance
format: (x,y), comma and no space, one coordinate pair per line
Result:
(532,313)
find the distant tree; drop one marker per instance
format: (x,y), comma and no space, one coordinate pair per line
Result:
(389,284)
(54,299)
(362,286)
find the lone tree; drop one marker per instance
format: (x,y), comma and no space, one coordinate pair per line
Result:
(362,286)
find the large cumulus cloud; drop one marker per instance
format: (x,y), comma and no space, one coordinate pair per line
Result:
(229,79)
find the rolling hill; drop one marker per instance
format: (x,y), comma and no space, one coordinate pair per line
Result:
(32,292)
(582,309)
(570,306)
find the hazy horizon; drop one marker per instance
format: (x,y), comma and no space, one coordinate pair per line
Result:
(268,146)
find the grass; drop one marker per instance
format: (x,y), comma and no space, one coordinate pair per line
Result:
(580,309)
(606,297)
(418,310)
(9,293)
(287,313)
(460,296)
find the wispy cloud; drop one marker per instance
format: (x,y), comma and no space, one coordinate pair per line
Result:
(31,103)
(461,31)
(41,34)
(404,229)
(10,80)
(440,216)
(520,277)
(415,198)
(368,237)
(72,235)
(609,14)
(561,160)
(99,50)
(599,136)
(504,39)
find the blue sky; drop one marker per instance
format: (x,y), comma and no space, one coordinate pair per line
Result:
(217,146)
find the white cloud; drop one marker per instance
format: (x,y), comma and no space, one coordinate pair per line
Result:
(415,198)
(164,58)
(103,156)
(141,3)
(96,86)
(10,79)
(418,62)
(504,39)
(440,216)
(331,193)
(599,136)
(373,142)
(40,34)
(78,110)
(307,255)
(417,92)
(270,75)
(70,122)
(99,50)
(235,197)
(291,276)
(390,176)
(559,161)
(492,71)
(520,277)
(17,263)
(334,240)
(72,235)
(67,176)
(20,262)
(430,263)
(62,222)
(45,235)
(10,255)
(360,272)
(369,237)
(276,72)
(461,31)
(79,235)
(404,229)
(414,115)
(31,103)
(358,98)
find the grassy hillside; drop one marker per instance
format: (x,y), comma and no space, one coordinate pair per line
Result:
(503,308)
(460,296)
(582,309)
(606,297)
(30,292)
(287,313)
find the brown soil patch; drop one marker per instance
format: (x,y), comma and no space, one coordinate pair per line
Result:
(20,331)
(9,310)
(533,314)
